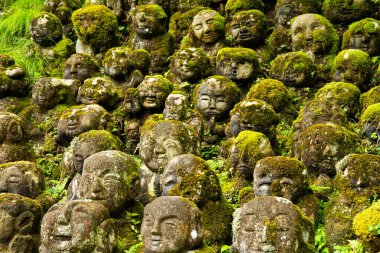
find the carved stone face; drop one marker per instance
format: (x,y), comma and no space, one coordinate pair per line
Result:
(132,101)
(270,224)
(170,225)
(73,226)
(309,34)
(285,13)
(109,178)
(81,152)
(117,63)
(46,30)
(78,67)
(248,29)
(10,128)
(280,176)
(152,94)
(175,107)
(186,65)
(146,25)
(22,179)
(46,92)
(366,41)
(212,99)
(95,91)
(204,27)
(235,69)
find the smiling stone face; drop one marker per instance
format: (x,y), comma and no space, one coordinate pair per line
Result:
(74,226)
(148,20)
(205,26)
(153,91)
(171,225)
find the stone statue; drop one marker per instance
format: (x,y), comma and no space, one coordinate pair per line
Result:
(12,78)
(272,224)
(81,67)
(20,219)
(77,226)
(171,224)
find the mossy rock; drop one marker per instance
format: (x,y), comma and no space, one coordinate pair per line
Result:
(52,32)
(96,25)
(370,97)
(353,66)
(294,69)
(346,11)
(234,6)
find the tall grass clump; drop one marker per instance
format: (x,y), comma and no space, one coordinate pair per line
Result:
(15,17)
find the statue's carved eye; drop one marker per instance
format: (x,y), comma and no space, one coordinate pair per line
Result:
(198,26)
(14,179)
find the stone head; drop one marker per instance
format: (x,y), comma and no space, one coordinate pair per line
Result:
(248,147)
(21,177)
(163,140)
(215,97)
(132,101)
(11,128)
(191,64)
(346,11)
(117,62)
(280,176)
(141,60)
(18,216)
(249,28)
(237,64)
(370,122)
(353,66)
(153,91)
(77,226)
(80,66)
(80,119)
(176,106)
(207,26)
(234,6)
(98,90)
(364,35)
(92,142)
(294,69)
(171,224)
(46,29)
(254,115)
(149,20)
(110,177)
(273,224)
(358,174)
(47,92)
(312,33)
(288,9)
(189,176)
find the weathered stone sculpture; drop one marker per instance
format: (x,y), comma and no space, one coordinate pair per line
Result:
(77,226)
(20,219)
(81,67)
(171,224)
(12,78)
(272,224)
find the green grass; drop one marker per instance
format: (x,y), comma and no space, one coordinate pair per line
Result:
(15,34)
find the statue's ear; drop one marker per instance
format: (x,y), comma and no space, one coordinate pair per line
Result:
(24,222)
(196,231)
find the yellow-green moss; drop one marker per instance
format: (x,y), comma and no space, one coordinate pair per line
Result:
(365,223)
(343,11)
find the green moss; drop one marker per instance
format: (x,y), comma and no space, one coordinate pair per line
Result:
(344,11)
(370,97)
(54,26)
(245,195)
(95,25)
(372,113)
(367,27)
(153,9)
(365,223)
(104,139)
(234,6)
(238,54)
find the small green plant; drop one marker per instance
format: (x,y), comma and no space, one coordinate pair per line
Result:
(209,152)
(375,229)
(135,248)
(225,249)
(353,246)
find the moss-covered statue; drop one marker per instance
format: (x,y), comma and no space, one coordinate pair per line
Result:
(320,146)
(95,26)
(249,29)
(19,224)
(353,66)
(294,69)
(275,94)
(77,226)
(369,122)
(189,66)
(98,90)
(46,32)
(285,177)
(370,97)
(79,119)
(206,32)
(160,141)
(368,218)
(171,224)
(213,99)
(246,149)
(240,65)
(285,10)
(12,139)
(317,37)
(189,176)
(234,6)
(364,35)
(149,33)
(357,181)
(125,66)
(81,67)
(272,224)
